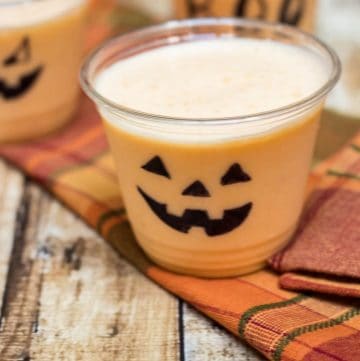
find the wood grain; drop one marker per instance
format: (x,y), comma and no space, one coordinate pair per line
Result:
(66,295)
(11,185)
(69,296)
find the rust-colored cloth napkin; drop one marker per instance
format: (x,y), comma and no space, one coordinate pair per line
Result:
(76,166)
(324,254)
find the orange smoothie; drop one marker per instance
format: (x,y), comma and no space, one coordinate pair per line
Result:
(212,165)
(40,55)
(224,227)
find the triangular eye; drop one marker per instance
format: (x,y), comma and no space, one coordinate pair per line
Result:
(21,54)
(156,165)
(235,174)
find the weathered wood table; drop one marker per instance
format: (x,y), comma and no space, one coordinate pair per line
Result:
(66,295)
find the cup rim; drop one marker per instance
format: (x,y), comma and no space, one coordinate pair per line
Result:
(17,2)
(298,106)
(9,3)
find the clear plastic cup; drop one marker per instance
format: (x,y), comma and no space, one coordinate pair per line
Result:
(40,56)
(253,219)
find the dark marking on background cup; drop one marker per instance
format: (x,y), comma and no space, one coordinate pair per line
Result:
(293,12)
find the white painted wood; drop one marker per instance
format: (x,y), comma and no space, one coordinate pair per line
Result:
(11,189)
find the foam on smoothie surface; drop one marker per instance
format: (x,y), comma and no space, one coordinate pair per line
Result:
(213,78)
(18,14)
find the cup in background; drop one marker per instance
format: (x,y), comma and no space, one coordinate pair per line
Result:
(273,148)
(40,55)
(293,12)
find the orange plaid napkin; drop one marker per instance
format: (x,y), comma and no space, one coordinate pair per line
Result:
(76,167)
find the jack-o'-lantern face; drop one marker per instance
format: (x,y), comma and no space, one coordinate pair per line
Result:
(25,80)
(231,219)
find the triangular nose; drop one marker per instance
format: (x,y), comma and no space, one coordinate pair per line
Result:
(196,189)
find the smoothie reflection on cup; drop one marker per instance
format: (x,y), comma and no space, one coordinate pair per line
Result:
(41,43)
(212,124)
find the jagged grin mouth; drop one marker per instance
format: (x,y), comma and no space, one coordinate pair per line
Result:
(10,92)
(232,218)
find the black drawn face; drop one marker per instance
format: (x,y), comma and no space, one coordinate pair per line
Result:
(199,7)
(232,218)
(287,11)
(25,81)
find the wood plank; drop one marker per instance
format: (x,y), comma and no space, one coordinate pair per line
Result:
(70,297)
(23,284)
(11,189)
(205,340)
